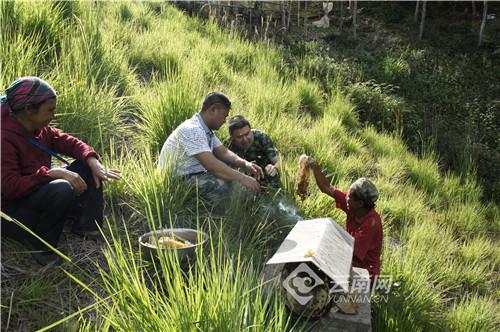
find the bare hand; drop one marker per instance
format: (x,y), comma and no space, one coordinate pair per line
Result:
(99,173)
(250,183)
(74,179)
(255,170)
(271,170)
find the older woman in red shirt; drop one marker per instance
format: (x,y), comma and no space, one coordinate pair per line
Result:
(363,222)
(35,193)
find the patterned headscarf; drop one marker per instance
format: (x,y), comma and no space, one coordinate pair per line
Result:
(365,190)
(25,91)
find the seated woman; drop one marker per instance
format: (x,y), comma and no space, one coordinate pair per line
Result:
(36,194)
(363,222)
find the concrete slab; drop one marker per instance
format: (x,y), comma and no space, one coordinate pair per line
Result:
(360,322)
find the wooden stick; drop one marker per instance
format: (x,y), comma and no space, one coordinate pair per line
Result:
(415,15)
(422,21)
(483,23)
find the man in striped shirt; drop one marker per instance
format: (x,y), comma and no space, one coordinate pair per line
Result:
(197,155)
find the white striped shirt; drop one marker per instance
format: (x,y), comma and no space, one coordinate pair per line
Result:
(187,140)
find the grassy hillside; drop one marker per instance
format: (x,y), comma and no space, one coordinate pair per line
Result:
(126,75)
(440,92)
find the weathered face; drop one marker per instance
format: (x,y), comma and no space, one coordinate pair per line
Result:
(353,204)
(243,137)
(44,115)
(219,115)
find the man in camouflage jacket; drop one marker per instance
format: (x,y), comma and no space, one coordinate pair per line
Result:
(256,147)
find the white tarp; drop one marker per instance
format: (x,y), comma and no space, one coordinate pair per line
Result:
(322,242)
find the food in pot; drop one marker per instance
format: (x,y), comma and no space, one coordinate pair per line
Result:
(167,242)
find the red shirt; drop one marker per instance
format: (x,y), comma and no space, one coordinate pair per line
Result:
(24,166)
(368,236)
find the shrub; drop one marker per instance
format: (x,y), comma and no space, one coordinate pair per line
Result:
(396,70)
(377,105)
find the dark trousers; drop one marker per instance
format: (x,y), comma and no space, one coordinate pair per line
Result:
(46,209)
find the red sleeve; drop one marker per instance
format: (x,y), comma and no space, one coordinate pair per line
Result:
(340,200)
(15,185)
(364,238)
(70,146)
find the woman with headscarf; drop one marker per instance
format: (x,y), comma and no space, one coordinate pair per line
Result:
(35,193)
(363,222)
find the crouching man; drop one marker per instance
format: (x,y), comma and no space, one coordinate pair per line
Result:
(199,157)
(256,147)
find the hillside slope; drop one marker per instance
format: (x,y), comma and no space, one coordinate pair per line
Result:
(128,73)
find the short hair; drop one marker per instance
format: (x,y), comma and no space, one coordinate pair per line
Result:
(215,98)
(237,122)
(364,190)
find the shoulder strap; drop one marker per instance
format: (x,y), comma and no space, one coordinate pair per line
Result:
(42,147)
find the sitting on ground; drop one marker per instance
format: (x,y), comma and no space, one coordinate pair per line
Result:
(255,146)
(198,156)
(38,195)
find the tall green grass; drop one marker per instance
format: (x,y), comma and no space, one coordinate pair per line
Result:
(161,296)
(165,105)
(474,314)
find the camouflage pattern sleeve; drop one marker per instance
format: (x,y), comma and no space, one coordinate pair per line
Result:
(269,148)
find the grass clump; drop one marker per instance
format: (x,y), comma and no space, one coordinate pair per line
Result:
(41,22)
(342,109)
(377,106)
(467,220)
(402,208)
(153,52)
(266,101)
(163,106)
(95,119)
(309,96)
(474,314)
(410,305)
(384,144)
(424,173)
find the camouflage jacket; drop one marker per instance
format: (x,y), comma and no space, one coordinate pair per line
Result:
(262,152)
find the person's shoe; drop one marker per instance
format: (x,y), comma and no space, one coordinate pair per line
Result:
(87,234)
(47,258)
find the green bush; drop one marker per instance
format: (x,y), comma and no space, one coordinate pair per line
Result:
(377,105)
(396,70)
